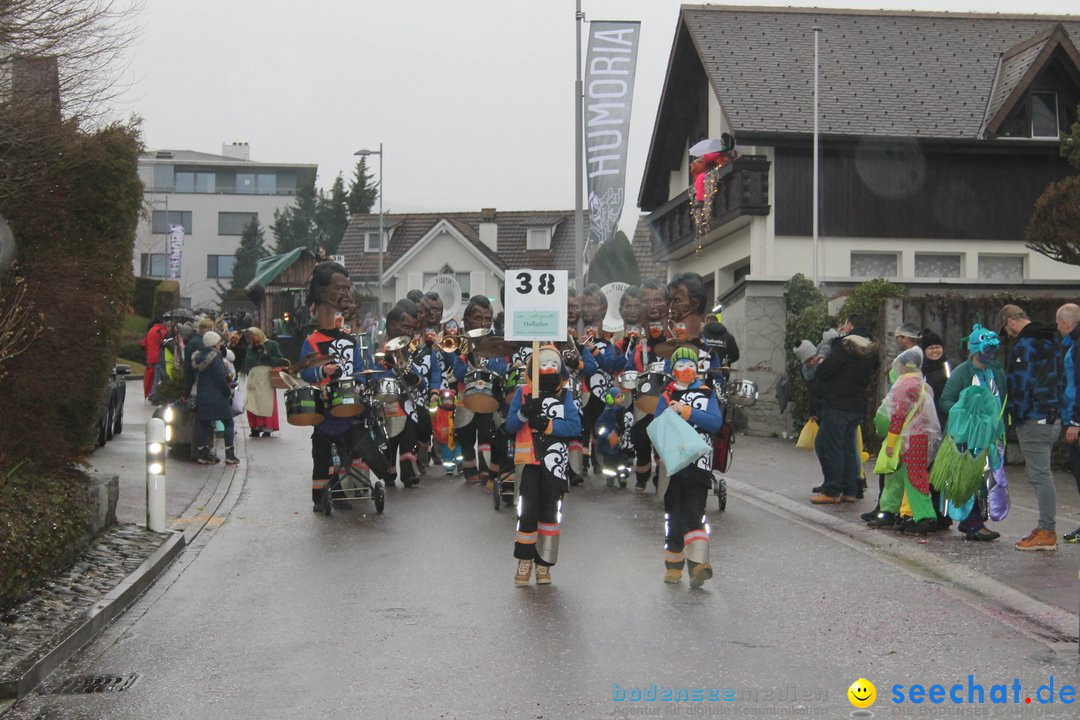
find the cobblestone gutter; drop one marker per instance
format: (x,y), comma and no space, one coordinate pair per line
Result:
(63,608)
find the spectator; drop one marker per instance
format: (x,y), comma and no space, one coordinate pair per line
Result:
(1068,324)
(935,369)
(1034,374)
(213,391)
(154,373)
(845,375)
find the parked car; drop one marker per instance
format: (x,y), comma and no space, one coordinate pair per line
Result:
(111,416)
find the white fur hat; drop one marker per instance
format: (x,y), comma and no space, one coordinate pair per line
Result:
(805,350)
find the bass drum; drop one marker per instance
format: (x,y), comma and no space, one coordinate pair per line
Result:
(649,388)
(483,390)
(343,397)
(304,406)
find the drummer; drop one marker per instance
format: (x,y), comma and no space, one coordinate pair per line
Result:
(429,359)
(331,294)
(654,306)
(626,342)
(401,414)
(475,431)
(598,381)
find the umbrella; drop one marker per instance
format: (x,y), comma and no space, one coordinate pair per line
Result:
(709,145)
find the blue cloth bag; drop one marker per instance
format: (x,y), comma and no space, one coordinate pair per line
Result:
(676,440)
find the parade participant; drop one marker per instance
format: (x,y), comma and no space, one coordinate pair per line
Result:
(913,437)
(936,370)
(686,536)
(630,313)
(1034,376)
(155,373)
(261,398)
(543,421)
(845,375)
(982,370)
(211,385)
(598,379)
(475,431)
(401,415)
(653,311)
(1068,324)
(330,293)
(430,360)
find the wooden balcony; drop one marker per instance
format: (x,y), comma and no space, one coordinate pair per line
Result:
(743,191)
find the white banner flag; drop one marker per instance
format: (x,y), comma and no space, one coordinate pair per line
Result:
(176,249)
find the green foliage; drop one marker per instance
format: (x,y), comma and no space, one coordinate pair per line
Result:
(332,216)
(1070,144)
(363,191)
(166,297)
(1054,226)
(868,299)
(44,522)
(143,302)
(317,219)
(807,318)
(252,249)
(615,262)
(76,233)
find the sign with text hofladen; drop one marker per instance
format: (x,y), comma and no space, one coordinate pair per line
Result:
(536,305)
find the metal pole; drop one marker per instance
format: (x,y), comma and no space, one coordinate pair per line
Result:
(579,162)
(817,34)
(156,449)
(382,181)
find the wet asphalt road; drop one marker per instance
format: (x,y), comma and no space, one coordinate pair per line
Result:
(279,613)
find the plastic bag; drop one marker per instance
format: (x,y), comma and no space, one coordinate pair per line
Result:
(887,464)
(808,435)
(237,403)
(999,495)
(676,440)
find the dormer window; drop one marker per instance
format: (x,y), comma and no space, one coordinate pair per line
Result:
(538,238)
(1044,115)
(371,241)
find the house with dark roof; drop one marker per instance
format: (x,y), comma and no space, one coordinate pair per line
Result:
(476,248)
(937,133)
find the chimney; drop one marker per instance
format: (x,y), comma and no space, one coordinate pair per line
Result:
(236,150)
(489,230)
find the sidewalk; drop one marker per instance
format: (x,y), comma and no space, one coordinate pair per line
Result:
(776,467)
(74,607)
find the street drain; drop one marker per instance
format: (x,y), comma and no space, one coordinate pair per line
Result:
(86,684)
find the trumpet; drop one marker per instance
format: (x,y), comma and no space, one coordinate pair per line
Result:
(570,354)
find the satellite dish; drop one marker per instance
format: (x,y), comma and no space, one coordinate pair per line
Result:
(613,291)
(8,250)
(447,288)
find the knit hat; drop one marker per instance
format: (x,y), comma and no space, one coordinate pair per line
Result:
(211,339)
(684,353)
(929,338)
(548,353)
(980,339)
(907,330)
(805,350)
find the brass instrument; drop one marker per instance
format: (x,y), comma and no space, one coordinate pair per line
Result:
(397,354)
(450,343)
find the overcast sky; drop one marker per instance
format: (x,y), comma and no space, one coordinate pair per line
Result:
(472,100)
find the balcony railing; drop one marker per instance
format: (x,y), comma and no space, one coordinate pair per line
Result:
(743,190)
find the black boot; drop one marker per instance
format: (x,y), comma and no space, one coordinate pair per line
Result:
(883,520)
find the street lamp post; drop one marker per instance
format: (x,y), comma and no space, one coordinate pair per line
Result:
(379,152)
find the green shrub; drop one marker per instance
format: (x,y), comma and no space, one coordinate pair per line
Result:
(44,523)
(166,297)
(807,317)
(143,302)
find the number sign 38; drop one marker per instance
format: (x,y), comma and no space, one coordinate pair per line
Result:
(536,304)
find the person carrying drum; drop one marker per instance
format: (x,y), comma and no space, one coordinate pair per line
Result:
(476,430)
(644,359)
(686,531)
(400,381)
(429,359)
(543,424)
(331,294)
(598,381)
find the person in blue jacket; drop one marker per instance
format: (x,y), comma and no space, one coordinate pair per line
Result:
(543,422)
(686,530)
(215,398)
(1068,324)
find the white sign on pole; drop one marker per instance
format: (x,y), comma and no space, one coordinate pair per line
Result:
(536,305)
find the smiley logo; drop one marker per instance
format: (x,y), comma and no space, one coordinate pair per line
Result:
(862,693)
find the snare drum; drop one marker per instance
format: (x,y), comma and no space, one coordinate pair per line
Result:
(742,392)
(343,397)
(482,390)
(649,388)
(304,406)
(388,390)
(623,389)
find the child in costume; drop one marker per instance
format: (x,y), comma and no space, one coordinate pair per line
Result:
(686,532)
(543,423)
(913,436)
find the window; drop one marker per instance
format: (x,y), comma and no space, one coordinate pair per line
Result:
(234,223)
(1044,115)
(371,241)
(245,183)
(538,239)
(162,221)
(195,182)
(220,266)
(153,265)
(874,265)
(1001,267)
(461,277)
(933,265)
(266,184)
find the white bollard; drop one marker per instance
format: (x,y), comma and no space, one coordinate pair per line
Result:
(156,450)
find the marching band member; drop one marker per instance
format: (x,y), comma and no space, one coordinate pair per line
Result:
(429,359)
(576,363)
(654,303)
(475,431)
(331,294)
(630,312)
(598,381)
(401,416)
(543,421)
(687,535)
